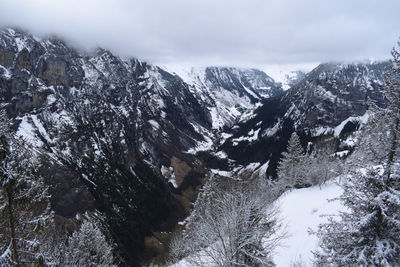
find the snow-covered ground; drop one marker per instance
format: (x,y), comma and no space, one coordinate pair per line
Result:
(301,210)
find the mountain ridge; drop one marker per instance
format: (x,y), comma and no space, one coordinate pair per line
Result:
(119,129)
(136,141)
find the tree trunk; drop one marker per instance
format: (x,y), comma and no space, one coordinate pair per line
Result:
(11,221)
(393,147)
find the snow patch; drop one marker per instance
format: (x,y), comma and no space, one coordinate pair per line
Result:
(301,210)
(91,73)
(40,128)
(205,145)
(221,154)
(272,131)
(261,171)
(350,141)
(51,99)
(321,131)
(202,146)
(27,132)
(169,174)
(21,43)
(342,154)
(217,121)
(154,124)
(5,73)
(321,91)
(221,173)
(361,119)
(84,176)
(250,92)
(252,136)
(282,73)
(6,257)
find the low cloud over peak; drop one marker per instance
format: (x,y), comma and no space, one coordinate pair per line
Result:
(230,32)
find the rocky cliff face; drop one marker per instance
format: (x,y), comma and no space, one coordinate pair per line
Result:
(328,101)
(119,135)
(229,94)
(135,141)
(332,92)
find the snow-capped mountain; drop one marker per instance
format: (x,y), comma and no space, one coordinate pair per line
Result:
(228,93)
(331,92)
(288,74)
(135,141)
(330,100)
(119,135)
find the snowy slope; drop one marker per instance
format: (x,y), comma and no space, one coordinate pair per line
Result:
(300,210)
(285,73)
(76,105)
(227,93)
(329,100)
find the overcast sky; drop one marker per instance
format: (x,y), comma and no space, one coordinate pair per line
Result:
(215,32)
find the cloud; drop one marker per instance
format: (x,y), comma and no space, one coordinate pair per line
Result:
(229,32)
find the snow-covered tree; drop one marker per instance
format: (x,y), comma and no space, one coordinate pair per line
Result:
(86,246)
(290,171)
(89,247)
(24,201)
(321,165)
(368,232)
(380,141)
(237,227)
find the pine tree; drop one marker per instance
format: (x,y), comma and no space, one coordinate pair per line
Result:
(24,201)
(86,246)
(290,172)
(368,233)
(89,247)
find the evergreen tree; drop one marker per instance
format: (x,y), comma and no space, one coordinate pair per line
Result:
(290,171)
(368,233)
(88,247)
(24,201)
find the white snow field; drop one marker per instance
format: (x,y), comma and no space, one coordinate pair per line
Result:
(301,210)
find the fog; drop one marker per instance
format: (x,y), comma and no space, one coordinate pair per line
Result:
(211,32)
